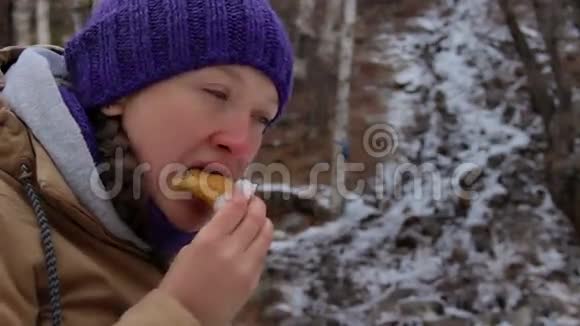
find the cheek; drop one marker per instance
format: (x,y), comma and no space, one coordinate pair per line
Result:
(255,145)
(162,140)
(166,159)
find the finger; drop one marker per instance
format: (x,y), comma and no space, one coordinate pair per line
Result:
(229,216)
(250,225)
(258,250)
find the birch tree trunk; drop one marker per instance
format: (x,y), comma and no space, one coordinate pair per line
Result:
(43,21)
(22,19)
(303,36)
(6,25)
(340,137)
(328,34)
(304,18)
(77,14)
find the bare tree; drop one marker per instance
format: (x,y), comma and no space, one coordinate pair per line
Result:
(43,21)
(22,19)
(551,97)
(77,14)
(304,36)
(6,26)
(340,137)
(328,32)
(304,18)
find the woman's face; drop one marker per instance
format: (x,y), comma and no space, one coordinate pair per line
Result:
(212,118)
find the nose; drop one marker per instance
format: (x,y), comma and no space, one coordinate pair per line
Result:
(236,139)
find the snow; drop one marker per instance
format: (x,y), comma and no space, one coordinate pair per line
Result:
(354,212)
(434,242)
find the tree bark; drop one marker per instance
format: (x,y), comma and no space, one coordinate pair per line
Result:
(561,159)
(77,14)
(6,24)
(340,137)
(328,34)
(304,19)
(549,16)
(43,21)
(303,37)
(538,88)
(22,19)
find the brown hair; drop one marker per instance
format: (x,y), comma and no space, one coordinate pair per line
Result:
(112,140)
(133,210)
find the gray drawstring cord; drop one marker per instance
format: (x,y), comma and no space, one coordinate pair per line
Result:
(47,246)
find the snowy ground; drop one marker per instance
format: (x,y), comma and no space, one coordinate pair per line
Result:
(496,253)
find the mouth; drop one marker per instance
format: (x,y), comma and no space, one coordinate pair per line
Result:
(205,181)
(215,168)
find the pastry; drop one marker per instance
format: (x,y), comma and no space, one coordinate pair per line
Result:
(203,185)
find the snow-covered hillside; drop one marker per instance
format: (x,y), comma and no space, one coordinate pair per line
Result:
(501,254)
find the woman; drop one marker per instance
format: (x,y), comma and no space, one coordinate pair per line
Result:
(146,86)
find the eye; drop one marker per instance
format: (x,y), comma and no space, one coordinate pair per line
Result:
(264,120)
(218,94)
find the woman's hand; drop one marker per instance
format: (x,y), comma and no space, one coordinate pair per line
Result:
(215,275)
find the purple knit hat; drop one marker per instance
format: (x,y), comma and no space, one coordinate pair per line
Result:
(128,45)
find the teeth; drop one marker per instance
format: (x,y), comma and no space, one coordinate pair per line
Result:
(215,171)
(209,169)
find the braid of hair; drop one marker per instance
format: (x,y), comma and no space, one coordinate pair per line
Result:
(115,150)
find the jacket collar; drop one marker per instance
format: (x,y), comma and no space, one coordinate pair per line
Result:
(44,112)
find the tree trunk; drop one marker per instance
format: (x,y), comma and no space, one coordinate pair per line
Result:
(43,21)
(340,137)
(304,19)
(541,101)
(561,159)
(6,25)
(550,19)
(328,34)
(77,14)
(22,19)
(303,37)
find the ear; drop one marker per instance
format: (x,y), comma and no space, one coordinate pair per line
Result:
(113,110)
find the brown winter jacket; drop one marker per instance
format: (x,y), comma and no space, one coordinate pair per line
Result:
(104,280)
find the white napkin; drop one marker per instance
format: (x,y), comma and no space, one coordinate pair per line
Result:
(246,186)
